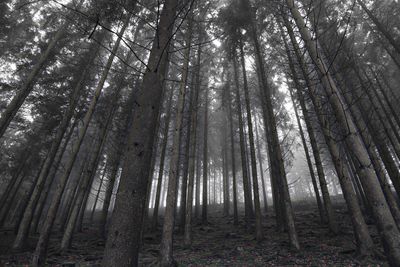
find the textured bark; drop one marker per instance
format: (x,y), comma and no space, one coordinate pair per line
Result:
(384,220)
(257,206)
(123,241)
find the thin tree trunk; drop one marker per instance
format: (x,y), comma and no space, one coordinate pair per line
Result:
(381,28)
(257,206)
(29,83)
(97,194)
(246,189)
(309,162)
(41,247)
(166,248)
(205,160)
(193,150)
(364,241)
(162,161)
(43,197)
(264,188)
(23,231)
(233,159)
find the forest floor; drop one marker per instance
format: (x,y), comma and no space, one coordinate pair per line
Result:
(220,243)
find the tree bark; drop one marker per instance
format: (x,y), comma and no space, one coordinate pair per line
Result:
(122,246)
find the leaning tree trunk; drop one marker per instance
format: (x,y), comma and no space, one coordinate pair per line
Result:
(41,247)
(384,220)
(307,153)
(364,241)
(88,177)
(23,230)
(276,159)
(29,83)
(380,27)
(122,246)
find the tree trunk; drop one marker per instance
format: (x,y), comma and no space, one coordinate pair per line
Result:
(98,194)
(193,150)
(257,208)
(28,84)
(264,188)
(246,188)
(122,246)
(309,162)
(166,248)
(381,28)
(23,231)
(385,222)
(41,247)
(205,160)
(162,161)
(363,239)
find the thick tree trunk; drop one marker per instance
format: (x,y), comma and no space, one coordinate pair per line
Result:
(122,246)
